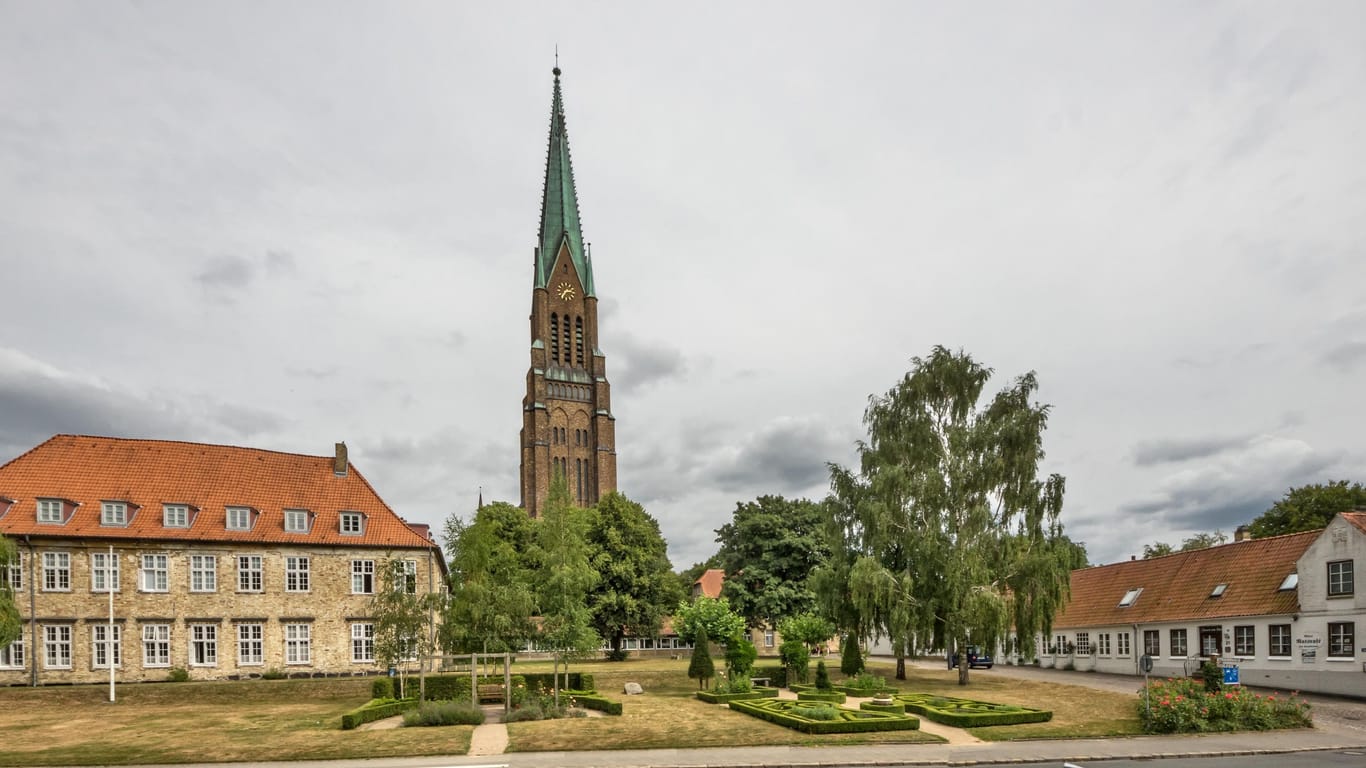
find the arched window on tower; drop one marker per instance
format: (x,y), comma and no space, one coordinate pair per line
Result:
(578,471)
(578,341)
(554,336)
(566,353)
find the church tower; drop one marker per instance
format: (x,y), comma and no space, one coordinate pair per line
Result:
(567,423)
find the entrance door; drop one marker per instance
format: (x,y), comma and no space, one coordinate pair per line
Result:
(1210,638)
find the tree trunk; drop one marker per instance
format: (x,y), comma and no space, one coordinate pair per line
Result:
(616,644)
(963,664)
(900,667)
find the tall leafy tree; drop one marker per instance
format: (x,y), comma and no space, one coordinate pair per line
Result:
(1157,549)
(565,580)
(10,624)
(492,564)
(1309,508)
(955,531)
(768,551)
(636,585)
(402,619)
(710,614)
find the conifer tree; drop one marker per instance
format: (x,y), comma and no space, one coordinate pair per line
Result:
(701,667)
(822,677)
(851,656)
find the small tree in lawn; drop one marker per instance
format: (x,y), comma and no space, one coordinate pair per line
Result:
(566,578)
(701,667)
(740,656)
(402,619)
(796,660)
(822,677)
(11,626)
(851,656)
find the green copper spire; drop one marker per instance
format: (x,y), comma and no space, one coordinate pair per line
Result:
(560,205)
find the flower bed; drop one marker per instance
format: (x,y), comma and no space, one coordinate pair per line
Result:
(1184,706)
(780,712)
(967,713)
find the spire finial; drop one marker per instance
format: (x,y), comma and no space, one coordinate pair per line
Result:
(556,70)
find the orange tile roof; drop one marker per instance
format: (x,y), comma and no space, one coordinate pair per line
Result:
(710,581)
(1177,586)
(1356,518)
(148,473)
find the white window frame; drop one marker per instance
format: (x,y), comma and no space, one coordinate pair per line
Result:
(351,524)
(1122,644)
(362,643)
(156,645)
(12,655)
(1271,632)
(243,521)
(296,521)
(104,572)
(1344,642)
(1156,649)
(1083,644)
(362,577)
(57,646)
(252,577)
(100,646)
(56,572)
(1185,642)
(298,644)
(203,645)
(296,573)
(1245,640)
(13,576)
(154,573)
(203,573)
(114,513)
(251,645)
(1343,582)
(51,510)
(407,572)
(768,638)
(175,515)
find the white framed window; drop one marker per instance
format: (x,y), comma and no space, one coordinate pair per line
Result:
(1341,639)
(296,520)
(362,642)
(56,572)
(1103,644)
(1340,581)
(104,572)
(1122,644)
(50,510)
(352,523)
(175,516)
(1218,591)
(1083,645)
(298,644)
(362,577)
(13,576)
(203,645)
(239,518)
(203,573)
(1178,642)
(406,571)
(1290,581)
(12,655)
(768,638)
(1278,641)
(57,647)
(296,574)
(155,574)
(250,645)
(106,642)
(1245,640)
(156,645)
(113,513)
(249,573)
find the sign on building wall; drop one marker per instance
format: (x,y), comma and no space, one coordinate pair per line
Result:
(1308,644)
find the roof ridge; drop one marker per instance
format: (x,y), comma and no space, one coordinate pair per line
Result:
(1189,552)
(31,450)
(178,442)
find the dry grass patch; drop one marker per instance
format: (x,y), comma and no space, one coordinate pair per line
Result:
(202,722)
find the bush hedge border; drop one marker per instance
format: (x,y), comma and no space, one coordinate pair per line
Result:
(375,709)
(834,697)
(1012,714)
(592,700)
(894,708)
(758,692)
(851,721)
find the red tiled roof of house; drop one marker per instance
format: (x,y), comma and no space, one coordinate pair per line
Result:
(209,478)
(1178,586)
(1356,518)
(710,581)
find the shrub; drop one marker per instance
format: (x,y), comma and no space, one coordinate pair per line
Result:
(375,709)
(178,675)
(1183,706)
(819,695)
(866,682)
(275,673)
(619,654)
(723,698)
(1213,676)
(740,656)
(381,688)
(846,720)
(701,667)
(443,713)
(589,700)
(796,660)
(776,674)
(529,712)
(851,656)
(822,677)
(815,712)
(966,713)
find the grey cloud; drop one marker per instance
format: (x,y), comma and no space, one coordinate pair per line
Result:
(1346,357)
(226,273)
(642,363)
(1150,452)
(788,456)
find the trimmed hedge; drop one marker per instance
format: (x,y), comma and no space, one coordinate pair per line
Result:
(834,697)
(967,713)
(759,692)
(863,693)
(375,709)
(776,674)
(779,712)
(894,708)
(592,700)
(578,681)
(381,688)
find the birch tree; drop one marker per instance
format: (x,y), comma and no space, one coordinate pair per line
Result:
(565,580)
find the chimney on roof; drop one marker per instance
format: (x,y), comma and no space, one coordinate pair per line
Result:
(340,464)
(421,529)
(1242,533)
(1133,558)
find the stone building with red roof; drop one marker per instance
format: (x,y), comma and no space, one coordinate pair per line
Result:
(224,561)
(1285,610)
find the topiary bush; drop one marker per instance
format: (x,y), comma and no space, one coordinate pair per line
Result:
(823,678)
(740,656)
(851,656)
(381,688)
(701,668)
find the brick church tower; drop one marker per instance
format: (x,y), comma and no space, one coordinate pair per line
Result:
(567,423)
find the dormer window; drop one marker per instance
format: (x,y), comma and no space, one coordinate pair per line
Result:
(113,513)
(296,521)
(175,516)
(1130,597)
(1218,591)
(239,518)
(352,523)
(50,510)
(1291,581)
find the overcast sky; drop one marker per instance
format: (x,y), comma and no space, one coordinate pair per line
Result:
(286,224)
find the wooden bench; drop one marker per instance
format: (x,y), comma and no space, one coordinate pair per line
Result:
(490,692)
(757,681)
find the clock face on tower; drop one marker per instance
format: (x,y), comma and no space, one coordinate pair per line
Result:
(564,291)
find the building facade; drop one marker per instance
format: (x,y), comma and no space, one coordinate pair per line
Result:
(226,562)
(1284,610)
(567,423)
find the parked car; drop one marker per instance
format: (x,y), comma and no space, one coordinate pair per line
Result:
(975,658)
